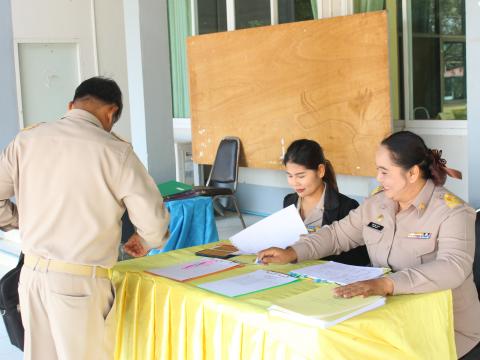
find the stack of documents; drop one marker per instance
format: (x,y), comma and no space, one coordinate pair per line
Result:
(194,269)
(280,229)
(319,307)
(248,283)
(338,273)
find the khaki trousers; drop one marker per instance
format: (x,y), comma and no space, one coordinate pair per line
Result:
(66,316)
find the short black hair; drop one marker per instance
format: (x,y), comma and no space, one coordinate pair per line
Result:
(103,89)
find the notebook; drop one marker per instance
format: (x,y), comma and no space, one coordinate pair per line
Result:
(318,307)
(194,269)
(248,283)
(172,187)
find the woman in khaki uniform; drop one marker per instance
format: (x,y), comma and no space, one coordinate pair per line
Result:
(316,195)
(413,225)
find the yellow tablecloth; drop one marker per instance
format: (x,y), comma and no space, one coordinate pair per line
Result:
(160,318)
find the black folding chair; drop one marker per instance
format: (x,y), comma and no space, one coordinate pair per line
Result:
(222,181)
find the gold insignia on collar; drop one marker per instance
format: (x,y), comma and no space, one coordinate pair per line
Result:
(379,218)
(30,127)
(421,206)
(376,190)
(451,200)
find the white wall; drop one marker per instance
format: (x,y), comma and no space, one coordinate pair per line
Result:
(112,54)
(99,29)
(453,143)
(95,25)
(8,101)
(148,64)
(58,20)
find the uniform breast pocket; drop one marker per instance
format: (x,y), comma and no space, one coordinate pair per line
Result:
(371,236)
(422,246)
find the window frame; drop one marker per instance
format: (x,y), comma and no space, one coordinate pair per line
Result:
(410,121)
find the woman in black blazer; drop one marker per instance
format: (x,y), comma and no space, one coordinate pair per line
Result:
(316,193)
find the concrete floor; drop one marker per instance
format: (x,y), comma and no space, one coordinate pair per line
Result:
(230,224)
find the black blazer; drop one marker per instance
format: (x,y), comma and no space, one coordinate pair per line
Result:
(336,207)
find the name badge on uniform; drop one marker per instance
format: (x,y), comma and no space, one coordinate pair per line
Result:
(419,235)
(375,226)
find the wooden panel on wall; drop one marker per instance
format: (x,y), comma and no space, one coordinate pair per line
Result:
(325,80)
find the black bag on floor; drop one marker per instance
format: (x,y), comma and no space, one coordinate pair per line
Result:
(9,305)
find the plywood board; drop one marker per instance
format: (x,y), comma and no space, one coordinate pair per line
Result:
(325,80)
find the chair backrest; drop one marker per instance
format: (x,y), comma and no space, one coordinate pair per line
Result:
(225,167)
(476,261)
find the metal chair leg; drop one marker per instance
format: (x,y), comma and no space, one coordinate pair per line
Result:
(218,207)
(238,210)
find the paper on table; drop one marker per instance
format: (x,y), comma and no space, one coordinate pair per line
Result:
(280,229)
(321,303)
(319,307)
(194,269)
(248,283)
(338,273)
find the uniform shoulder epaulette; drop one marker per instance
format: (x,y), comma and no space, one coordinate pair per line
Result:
(32,126)
(451,200)
(119,138)
(377,190)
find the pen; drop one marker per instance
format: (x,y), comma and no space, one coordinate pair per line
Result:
(205,262)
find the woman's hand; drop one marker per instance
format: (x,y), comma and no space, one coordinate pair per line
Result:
(382,286)
(277,255)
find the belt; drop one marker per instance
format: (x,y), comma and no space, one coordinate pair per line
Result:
(45,265)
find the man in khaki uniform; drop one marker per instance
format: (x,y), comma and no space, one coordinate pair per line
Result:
(427,239)
(73,180)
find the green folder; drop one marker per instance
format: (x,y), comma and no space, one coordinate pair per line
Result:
(173,187)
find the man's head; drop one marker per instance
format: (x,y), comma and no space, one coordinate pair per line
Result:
(100,96)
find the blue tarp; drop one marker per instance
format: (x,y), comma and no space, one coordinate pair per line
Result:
(192,222)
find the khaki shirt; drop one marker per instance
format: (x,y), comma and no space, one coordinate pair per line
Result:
(430,246)
(314,220)
(72,181)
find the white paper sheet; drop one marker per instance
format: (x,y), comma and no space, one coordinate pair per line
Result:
(194,269)
(280,229)
(248,283)
(338,273)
